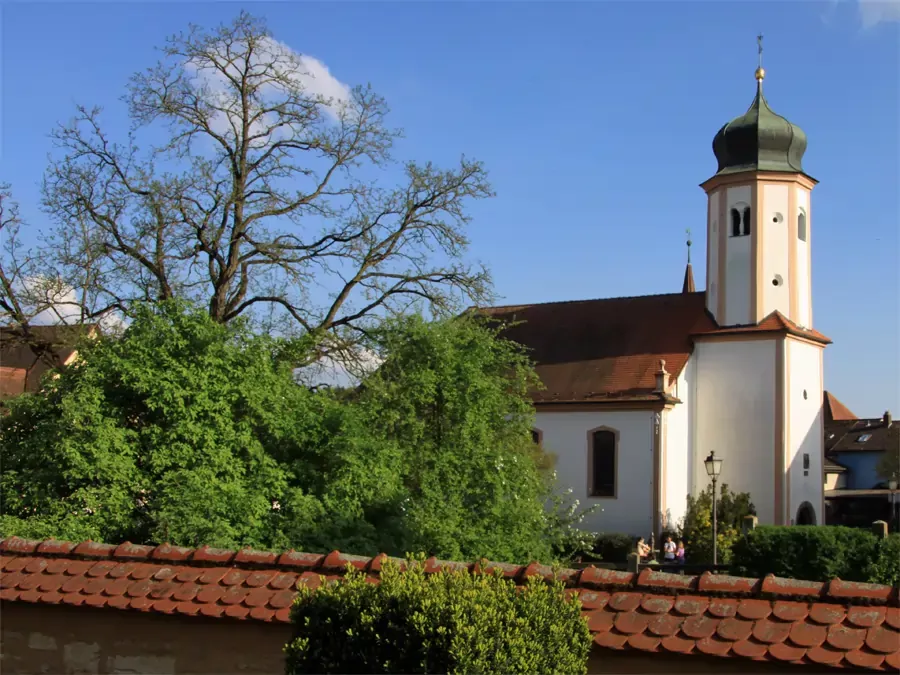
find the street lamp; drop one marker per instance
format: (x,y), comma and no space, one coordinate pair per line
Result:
(713,466)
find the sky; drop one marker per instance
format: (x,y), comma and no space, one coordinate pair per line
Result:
(595,120)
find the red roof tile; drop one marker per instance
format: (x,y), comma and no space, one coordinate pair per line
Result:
(834,624)
(607,349)
(836,411)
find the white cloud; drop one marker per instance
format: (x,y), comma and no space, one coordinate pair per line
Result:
(873,12)
(65,309)
(302,71)
(335,372)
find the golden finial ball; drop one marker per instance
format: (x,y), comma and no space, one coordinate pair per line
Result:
(760,74)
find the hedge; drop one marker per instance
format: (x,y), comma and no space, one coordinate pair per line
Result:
(613,547)
(445,622)
(817,553)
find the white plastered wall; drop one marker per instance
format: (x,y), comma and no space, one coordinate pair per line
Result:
(804,262)
(712,243)
(805,432)
(737,262)
(775,227)
(565,434)
(676,460)
(735,400)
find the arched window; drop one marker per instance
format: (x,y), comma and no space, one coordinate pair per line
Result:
(735,223)
(801,226)
(602,462)
(537,436)
(746,220)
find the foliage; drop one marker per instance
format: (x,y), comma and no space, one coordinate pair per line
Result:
(696,527)
(193,432)
(246,185)
(454,398)
(446,622)
(613,546)
(817,553)
(888,466)
(885,566)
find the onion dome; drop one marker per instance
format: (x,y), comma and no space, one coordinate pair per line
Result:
(759,140)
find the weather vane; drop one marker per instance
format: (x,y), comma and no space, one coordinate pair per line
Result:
(760,72)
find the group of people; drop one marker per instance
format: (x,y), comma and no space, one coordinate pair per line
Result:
(672,552)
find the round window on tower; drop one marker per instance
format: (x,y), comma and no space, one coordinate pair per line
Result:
(777,218)
(777,281)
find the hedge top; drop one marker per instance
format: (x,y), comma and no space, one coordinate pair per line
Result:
(837,622)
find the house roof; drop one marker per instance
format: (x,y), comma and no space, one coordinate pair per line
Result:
(835,410)
(24,359)
(868,435)
(833,467)
(837,623)
(17,352)
(607,349)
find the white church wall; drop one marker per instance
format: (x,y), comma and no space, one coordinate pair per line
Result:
(712,244)
(735,399)
(676,462)
(805,433)
(565,434)
(804,296)
(775,229)
(737,263)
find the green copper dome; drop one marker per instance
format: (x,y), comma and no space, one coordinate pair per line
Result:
(759,140)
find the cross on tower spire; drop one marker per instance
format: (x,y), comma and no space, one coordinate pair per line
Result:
(760,71)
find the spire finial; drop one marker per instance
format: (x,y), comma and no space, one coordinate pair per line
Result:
(688,285)
(760,71)
(689,242)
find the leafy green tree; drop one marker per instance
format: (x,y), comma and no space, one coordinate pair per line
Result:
(195,432)
(696,528)
(453,396)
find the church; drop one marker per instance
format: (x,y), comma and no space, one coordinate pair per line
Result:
(638,391)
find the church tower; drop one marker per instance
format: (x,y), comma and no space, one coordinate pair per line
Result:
(758,377)
(758,220)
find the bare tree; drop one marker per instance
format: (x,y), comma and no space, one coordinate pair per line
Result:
(261,199)
(33,293)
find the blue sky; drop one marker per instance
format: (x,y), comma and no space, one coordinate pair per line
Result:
(595,120)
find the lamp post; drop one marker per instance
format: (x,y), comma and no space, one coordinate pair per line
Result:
(713,466)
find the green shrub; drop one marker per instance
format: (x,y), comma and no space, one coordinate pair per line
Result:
(815,553)
(447,622)
(696,528)
(885,568)
(613,547)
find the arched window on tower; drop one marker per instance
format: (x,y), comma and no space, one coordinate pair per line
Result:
(801,226)
(735,223)
(746,220)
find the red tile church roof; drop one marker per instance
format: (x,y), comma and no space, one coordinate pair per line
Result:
(832,624)
(608,350)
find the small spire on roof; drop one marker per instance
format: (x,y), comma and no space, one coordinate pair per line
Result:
(688,285)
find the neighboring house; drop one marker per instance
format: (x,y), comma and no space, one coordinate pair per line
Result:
(855,493)
(97,608)
(23,361)
(638,391)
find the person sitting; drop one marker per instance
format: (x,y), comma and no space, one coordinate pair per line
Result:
(643,550)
